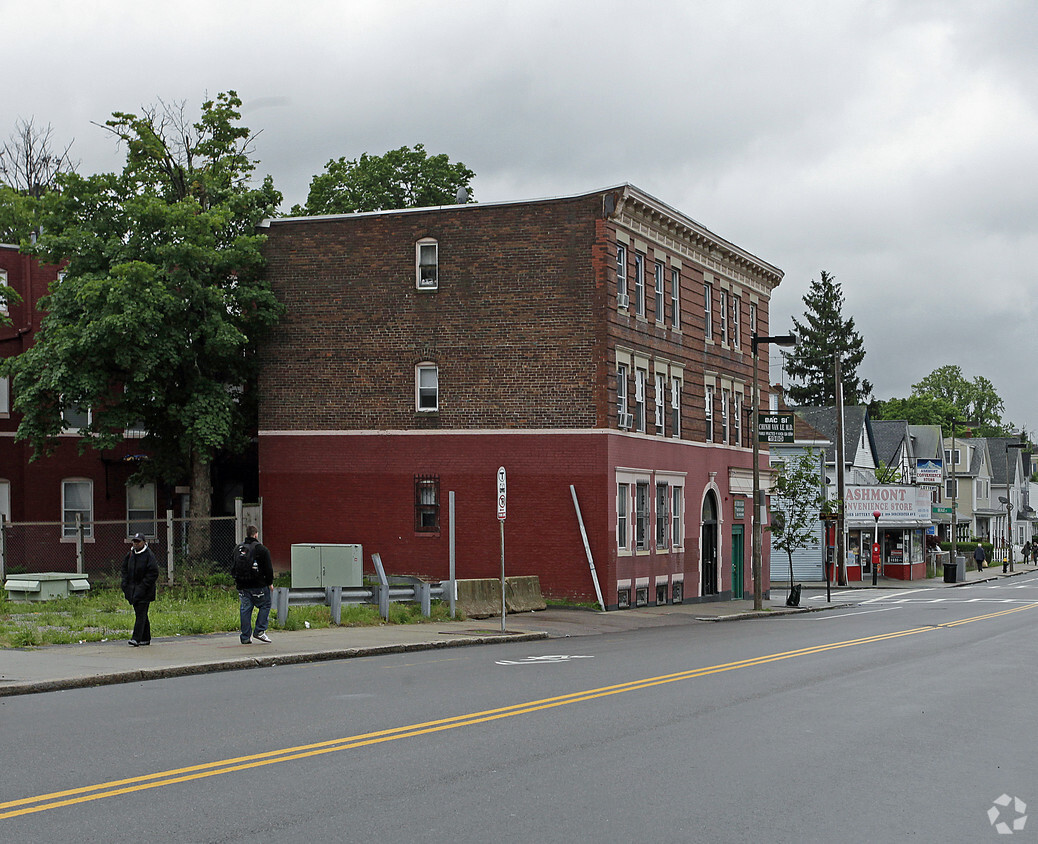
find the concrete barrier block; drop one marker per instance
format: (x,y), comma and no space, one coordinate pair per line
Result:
(481,597)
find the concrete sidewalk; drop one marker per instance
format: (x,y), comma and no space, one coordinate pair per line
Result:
(28,671)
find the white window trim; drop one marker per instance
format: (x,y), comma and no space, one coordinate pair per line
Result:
(5,499)
(623,493)
(661,403)
(623,299)
(661,293)
(131,521)
(426,366)
(70,429)
(708,311)
(675,406)
(640,377)
(639,284)
(675,298)
(722,313)
(736,319)
(5,309)
(419,283)
(708,413)
(5,396)
(68,530)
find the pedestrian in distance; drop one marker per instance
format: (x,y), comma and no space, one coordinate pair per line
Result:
(978,555)
(253,576)
(140,574)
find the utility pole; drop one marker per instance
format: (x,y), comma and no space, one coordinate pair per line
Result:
(841,556)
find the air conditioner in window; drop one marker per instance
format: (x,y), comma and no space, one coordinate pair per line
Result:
(623,300)
(626,420)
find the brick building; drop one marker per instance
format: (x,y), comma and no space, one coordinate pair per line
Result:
(599,341)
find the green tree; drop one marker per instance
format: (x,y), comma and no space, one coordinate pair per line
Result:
(797,499)
(917,409)
(29,167)
(402,178)
(822,336)
(161,305)
(975,401)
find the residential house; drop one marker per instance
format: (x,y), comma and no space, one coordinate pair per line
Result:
(968,488)
(597,347)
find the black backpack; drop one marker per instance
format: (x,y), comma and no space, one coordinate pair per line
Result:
(244,567)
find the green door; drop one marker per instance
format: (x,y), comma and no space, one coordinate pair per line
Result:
(737,562)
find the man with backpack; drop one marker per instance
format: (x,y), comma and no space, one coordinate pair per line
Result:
(253,574)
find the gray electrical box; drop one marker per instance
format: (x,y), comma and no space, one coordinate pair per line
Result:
(316,566)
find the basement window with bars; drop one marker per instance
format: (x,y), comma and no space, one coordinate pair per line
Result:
(427,503)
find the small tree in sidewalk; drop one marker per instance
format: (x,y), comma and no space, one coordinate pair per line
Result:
(797,499)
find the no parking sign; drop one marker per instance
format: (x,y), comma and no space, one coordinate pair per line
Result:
(502,494)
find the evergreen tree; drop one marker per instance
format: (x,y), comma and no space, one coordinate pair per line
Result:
(823,335)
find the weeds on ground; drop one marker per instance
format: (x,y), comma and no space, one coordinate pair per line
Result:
(188,610)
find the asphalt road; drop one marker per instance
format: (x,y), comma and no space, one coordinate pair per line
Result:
(904,716)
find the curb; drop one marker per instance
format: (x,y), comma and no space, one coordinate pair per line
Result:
(243,663)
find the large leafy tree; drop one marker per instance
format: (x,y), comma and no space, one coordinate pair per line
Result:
(161,303)
(975,401)
(917,409)
(402,178)
(823,335)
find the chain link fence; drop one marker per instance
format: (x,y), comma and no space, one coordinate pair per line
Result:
(187,550)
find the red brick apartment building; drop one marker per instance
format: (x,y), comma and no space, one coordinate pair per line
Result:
(55,488)
(599,341)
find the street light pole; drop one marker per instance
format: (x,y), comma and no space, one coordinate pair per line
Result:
(1009,508)
(759,513)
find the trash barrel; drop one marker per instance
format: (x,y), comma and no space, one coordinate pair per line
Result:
(793,600)
(949,572)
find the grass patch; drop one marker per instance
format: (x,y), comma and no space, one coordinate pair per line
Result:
(200,608)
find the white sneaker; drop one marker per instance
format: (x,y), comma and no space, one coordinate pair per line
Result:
(263,637)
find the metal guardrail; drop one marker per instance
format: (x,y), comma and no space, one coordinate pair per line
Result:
(396,589)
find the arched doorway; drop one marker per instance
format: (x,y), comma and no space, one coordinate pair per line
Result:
(708,583)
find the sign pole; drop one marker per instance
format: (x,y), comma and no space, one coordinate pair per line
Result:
(502,498)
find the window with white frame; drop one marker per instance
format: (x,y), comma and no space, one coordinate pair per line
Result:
(641,516)
(950,457)
(140,509)
(624,418)
(677,495)
(5,395)
(675,304)
(661,402)
(708,414)
(753,319)
(675,407)
(622,298)
(661,293)
(662,516)
(737,417)
(5,500)
(427,264)
(77,499)
(951,488)
(623,502)
(640,378)
(427,387)
(639,284)
(725,407)
(736,318)
(76,418)
(722,312)
(708,310)
(5,308)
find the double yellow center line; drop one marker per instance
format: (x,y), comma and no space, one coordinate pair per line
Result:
(57,799)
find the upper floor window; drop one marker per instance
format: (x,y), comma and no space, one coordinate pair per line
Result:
(662,516)
(641,516)
(77,499)
(736,314)
(4,306)
(76,418)
(737,417)
(622,298)
(623,494)
(677,506)
(661,293)
(427,386)
(708,414)
(675,309)
(951,457)
(661,402)
(5,394)
(708,309)
(640,377)
(639,284)
(624,418)
(427,276)
(426,503)
(140,509)
(951,488)
(722,311)
(753,319)
(675,407)
(724,416)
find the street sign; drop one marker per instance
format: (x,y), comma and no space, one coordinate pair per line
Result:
(775,427)
(940,511)
(502,495)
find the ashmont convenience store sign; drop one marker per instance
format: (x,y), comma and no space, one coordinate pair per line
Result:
(893,503)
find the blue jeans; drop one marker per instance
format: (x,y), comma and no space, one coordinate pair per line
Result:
(254,599)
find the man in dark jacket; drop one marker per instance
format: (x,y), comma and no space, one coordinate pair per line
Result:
(254,589)
(140,574)
(978,556)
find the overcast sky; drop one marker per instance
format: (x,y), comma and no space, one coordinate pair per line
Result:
(890,142)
